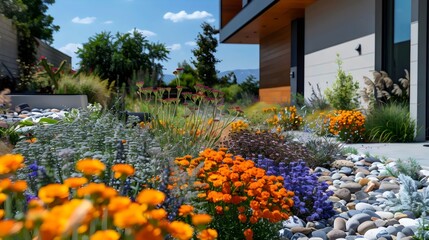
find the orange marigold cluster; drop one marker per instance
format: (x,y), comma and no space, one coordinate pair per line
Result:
(233,185)
(90,210)
(348,125)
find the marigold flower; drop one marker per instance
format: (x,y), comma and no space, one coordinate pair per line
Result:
(248,233)
(207,234)
(180,230)
(132,216)
(75,182)
(9,227)
(151,197)
(105,235)
(9,163)
(242,218)
(18,186)
(90,166)
(117,204)
(157,214)
(51,192)
(185,210)
(149,232)
(201,219)
(123,170)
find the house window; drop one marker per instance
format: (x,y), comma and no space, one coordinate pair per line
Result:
(396,37)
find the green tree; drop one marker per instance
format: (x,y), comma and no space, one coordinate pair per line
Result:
(344,93)
(205,60)
(120,57)
(31,21)
(250,85)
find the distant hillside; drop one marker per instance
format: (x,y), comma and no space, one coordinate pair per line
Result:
(241,75)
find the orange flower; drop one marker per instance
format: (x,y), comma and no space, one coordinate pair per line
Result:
(75,182)
(149,232)
(90,166)
(9,227)
(18,186)
(242,218)
(185,210)
(180,230)
(117,204)
(248,233)
(130,217)
(157,214)
(105,235)
(52,192)
(201,219)
(9,163)
(207,234)
(98,191)
(123,170)
(151,197)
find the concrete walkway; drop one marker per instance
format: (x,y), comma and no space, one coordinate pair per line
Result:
(394,151)
(418,151)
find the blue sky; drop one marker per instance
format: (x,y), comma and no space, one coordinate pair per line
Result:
(175,23)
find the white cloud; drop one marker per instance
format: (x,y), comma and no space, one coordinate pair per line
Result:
(70,48)
(145,33)
(211,20)
(174,47)
(108,22)
(191,43)
(182,15)
(85,20)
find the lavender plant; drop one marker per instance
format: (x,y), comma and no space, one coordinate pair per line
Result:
(311,196)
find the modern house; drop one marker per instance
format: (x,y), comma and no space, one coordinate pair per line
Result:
(9,50)
(299,41)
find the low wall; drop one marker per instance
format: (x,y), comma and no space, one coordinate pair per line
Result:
(50,101)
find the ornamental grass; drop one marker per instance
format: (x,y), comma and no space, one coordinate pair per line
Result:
(82,209)
(244,201)
(186,122)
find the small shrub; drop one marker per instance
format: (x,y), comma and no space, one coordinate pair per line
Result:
(344,93)
(311,196)
(423,229)
(255,113)
(348,125)
(317,101)
(390,123)
(284,119)
(323,150)
(96,89)
(409,198)
(250,144)
(408,167)
(239,125)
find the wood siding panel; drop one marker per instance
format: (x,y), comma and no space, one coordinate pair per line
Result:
(275,51)
(274,95)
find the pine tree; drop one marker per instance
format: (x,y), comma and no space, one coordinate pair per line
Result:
(205,61)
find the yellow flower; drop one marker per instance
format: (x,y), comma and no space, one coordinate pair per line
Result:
(50,192)
(9,227)
(157,214)
(75,182)
(201,219)
(149,232)
(105,235)
(151,197)
(90,166)
(180,230)
(123,170)
(3,197)
(207,234)
(9,163)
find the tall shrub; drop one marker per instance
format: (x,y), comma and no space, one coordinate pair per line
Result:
(344,93)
